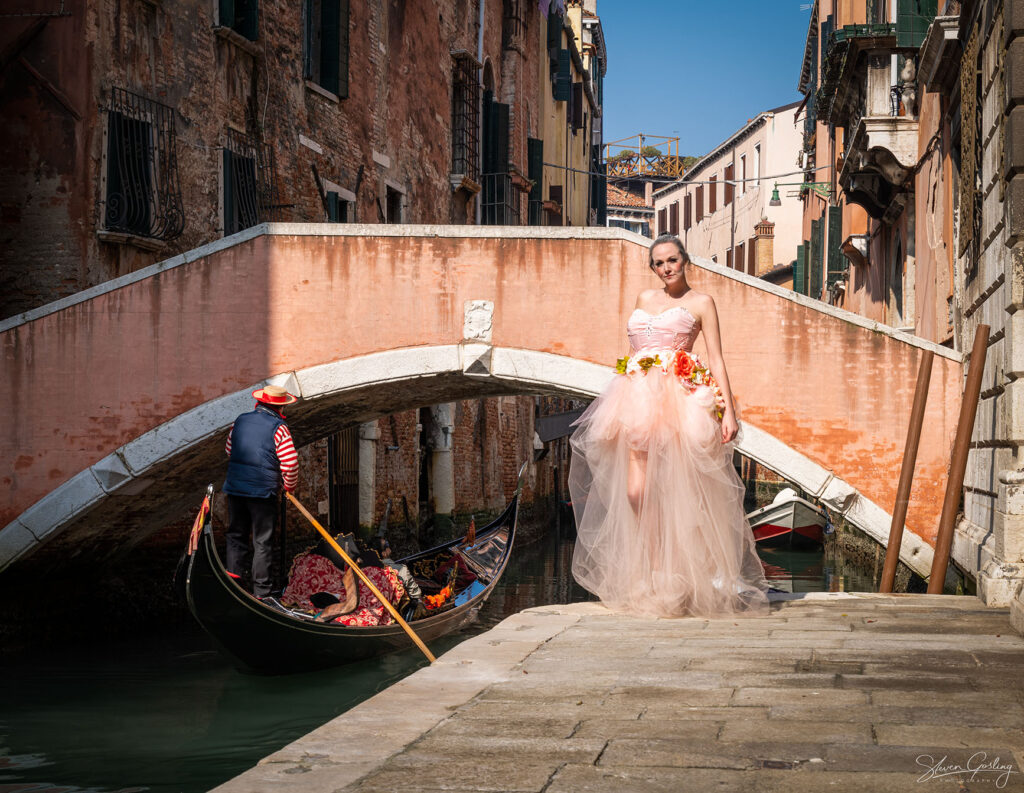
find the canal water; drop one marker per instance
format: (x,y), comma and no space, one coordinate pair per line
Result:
(167,714)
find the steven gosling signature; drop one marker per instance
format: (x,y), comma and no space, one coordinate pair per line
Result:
(976,763)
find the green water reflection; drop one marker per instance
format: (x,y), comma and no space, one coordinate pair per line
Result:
(167,714)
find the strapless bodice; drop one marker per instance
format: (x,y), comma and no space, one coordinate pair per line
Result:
(674,329)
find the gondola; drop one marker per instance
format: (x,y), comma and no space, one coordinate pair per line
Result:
(265,638)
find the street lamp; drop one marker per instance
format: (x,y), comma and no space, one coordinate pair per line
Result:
(823,189)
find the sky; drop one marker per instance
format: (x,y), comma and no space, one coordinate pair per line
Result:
(698,69)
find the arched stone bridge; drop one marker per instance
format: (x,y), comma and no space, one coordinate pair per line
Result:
(118,398)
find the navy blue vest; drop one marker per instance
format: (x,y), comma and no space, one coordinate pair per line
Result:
(253,469)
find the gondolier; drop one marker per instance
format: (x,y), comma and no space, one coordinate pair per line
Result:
(262,461)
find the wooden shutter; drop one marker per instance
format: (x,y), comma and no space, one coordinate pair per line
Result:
(728,185)
(912,20)
(554,32)
(662,221)
(728,258)
(330,26)
(563,78)
(752,256)
(800,270)
(712,195)
(700,203)
(310,44)
(687,213)
(837,263)
(674,218)
(815,259)
(343,46)
(246,17)
(577,106)
(739,259)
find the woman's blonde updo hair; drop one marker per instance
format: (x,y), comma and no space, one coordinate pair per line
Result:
(672,238)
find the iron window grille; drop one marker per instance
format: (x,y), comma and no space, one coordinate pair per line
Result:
(250,192)
(466,116)
(142,195)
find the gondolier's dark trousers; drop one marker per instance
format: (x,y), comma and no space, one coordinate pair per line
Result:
(252,518)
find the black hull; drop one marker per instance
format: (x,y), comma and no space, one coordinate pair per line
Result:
(259,639)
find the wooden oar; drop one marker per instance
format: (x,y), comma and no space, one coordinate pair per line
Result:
(362,577)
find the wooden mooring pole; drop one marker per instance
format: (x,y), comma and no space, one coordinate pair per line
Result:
(961,446)
(899,511)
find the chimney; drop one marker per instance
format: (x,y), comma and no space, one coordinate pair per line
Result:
(765,234)
(648,194)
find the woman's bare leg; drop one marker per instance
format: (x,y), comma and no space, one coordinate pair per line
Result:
(635,480)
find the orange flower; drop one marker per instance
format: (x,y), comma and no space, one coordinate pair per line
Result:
(684,365)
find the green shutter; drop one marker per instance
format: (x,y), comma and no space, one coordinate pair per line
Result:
(554,31)
(247,18)
(836,261)
(309,40)
(913,18)
(815,259)
(800,270)
(563,80)
(226,13)
(329,30)
(488,153)
(333,207)
(343,41)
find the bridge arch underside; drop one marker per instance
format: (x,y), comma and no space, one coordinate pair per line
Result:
(127,496)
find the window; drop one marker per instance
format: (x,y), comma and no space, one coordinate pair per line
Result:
(337,208)
(728,186)
(700,203)
(739,260)
(756,174)
(712,194)
(326,45)
(142,196)
(662,221)
(339,203)
(687,213)
(466,116)
(242,16)
(394,202)
(742,186)
(576,117)
(249,191)
(728,258)
(673,223)
(752,256)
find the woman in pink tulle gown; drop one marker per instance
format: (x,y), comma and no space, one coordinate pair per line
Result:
(659,508)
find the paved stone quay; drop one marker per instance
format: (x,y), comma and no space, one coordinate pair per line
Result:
(827,692)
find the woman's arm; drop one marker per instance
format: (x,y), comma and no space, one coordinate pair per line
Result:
(713,340)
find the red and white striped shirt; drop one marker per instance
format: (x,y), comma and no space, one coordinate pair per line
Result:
(287,456)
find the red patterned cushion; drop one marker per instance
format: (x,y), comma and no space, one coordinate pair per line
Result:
(371,611)
(311,573)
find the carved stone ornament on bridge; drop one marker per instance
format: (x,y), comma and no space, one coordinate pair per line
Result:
(479,316)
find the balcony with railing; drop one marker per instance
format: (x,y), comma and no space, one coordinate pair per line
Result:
(871,95)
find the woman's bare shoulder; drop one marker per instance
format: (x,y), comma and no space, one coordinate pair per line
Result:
(643,300)
(700,302)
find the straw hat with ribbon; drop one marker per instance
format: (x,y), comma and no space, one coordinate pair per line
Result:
(274,396)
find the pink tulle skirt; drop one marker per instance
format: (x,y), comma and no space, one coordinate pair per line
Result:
(686,549)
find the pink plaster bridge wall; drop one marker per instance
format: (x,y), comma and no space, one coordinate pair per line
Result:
(118,399)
